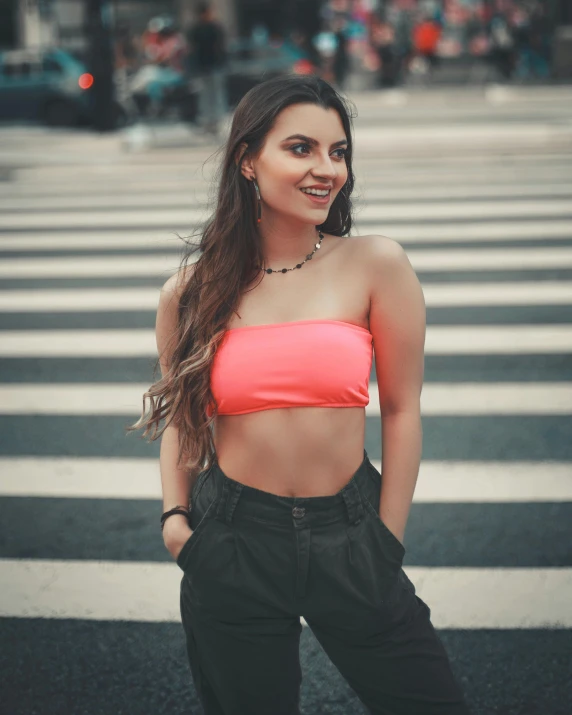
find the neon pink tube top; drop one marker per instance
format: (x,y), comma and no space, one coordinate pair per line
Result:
(305,363)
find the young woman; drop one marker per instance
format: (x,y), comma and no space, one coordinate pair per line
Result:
(288,517)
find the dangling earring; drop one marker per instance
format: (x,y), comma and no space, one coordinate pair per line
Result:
(259,206)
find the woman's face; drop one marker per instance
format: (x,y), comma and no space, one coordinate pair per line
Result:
(305,150)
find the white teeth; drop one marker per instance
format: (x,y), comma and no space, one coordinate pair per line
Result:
(316,192)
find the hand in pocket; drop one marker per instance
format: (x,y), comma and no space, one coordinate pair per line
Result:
(176,535)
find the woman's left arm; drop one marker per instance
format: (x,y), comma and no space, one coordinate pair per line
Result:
(397,322)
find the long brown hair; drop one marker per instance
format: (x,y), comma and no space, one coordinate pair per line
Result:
(230,250)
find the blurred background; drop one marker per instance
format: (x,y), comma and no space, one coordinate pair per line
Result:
(110,62)
(111,115)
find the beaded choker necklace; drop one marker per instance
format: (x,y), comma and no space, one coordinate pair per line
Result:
(298,265)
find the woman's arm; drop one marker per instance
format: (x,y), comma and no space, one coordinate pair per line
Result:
(398,324)
(174,478)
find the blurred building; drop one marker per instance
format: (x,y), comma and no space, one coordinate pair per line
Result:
(562,49)
(40,23)
(32,23)
(8,25)
(28,23)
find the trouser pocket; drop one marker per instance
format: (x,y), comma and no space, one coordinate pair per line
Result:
(370,497)
(203,509)
(392,540)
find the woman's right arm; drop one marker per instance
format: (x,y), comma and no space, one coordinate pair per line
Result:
(174,478)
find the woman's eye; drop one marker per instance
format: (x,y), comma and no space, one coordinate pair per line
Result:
(298,146)
(302,149)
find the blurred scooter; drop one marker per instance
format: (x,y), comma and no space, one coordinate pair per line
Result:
(157,92)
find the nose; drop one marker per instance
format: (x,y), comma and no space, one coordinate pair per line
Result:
(325,168)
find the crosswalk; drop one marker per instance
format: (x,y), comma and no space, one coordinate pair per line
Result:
(484,211)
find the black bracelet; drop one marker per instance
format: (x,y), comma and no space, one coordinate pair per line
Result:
(174,510)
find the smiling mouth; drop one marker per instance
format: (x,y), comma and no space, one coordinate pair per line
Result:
(320,197)
(322,193)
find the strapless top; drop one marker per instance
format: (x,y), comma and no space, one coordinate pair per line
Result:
(305,363)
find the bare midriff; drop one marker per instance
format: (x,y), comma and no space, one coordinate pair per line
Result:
(293,451)
(300,451)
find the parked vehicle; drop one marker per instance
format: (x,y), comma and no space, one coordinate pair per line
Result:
(54,87)
(50,86)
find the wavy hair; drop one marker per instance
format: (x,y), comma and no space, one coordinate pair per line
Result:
(230,249)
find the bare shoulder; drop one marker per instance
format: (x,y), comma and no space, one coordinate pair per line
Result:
(166,324)
(372,255)
(381,251)
(175,284)
(170,296)
(390,273)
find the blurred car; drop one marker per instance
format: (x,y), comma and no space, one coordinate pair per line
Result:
(46,85)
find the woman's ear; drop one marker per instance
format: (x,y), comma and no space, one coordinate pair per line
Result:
(247,168)
(245,161)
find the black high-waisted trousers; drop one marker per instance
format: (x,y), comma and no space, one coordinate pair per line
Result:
(256,562)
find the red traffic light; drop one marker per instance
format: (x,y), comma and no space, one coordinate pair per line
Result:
(85,80)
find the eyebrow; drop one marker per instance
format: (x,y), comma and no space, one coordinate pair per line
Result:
(313,142)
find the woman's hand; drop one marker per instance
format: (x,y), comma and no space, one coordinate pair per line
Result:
(399,533)
(176,531)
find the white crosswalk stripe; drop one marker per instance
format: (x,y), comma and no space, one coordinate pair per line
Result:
(154,266)
(182,218)
(487,232)
(137,299)
(515,398)
(111,591)
(438,481)
(440,340)
(180,199)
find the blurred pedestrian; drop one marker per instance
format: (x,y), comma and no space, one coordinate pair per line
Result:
(501,45)
(126,49)
(161,77)
(426,36)
(307,21)
(151,39)
(127,62)
(341,60)
(383,40)
(172,49)
(207,61)
(403,45)
(534,42)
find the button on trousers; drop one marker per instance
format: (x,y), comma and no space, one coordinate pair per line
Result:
(256,562)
